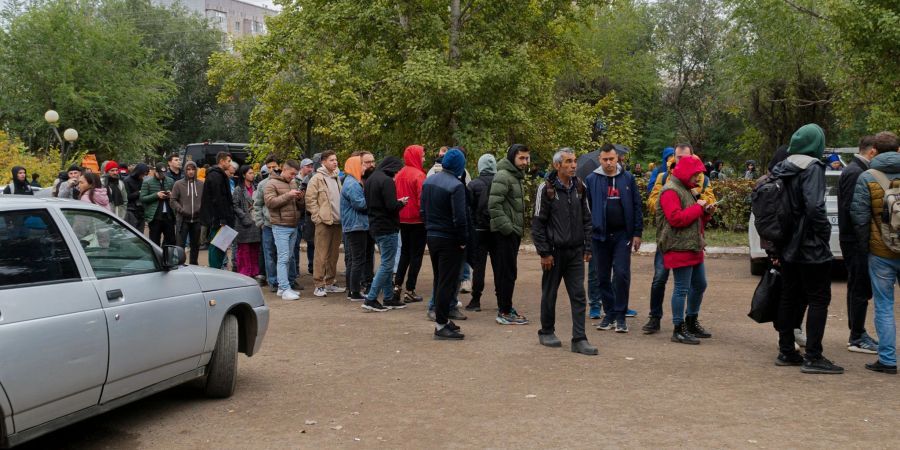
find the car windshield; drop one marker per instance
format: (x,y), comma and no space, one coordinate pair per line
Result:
(831,185)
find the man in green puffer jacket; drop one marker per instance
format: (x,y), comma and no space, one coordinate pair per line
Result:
(158,212)
(506,204)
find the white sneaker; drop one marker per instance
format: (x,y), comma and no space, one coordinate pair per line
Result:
(320,292)
(799,337)
(332,289)
(465,287)
(290,295)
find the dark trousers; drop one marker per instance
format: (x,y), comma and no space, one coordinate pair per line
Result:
(658,286)
(446,262)
(503,261)
(804,284)
(859,288)
(162,231)
(568,265)
(356,250)
(190,230)
(613,255)
(412,251)
(483,248)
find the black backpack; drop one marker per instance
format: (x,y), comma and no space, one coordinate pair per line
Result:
(771,208)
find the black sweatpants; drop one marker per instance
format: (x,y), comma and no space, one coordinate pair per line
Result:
(446,262)
(192,230)
(503,261)
(568,265)
(483,249)
(804,283)
(412,251)
(859,288)
(162,231)
(356,251)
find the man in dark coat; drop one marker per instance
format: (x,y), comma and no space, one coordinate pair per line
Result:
(384,225)
(216,208)
(19,184)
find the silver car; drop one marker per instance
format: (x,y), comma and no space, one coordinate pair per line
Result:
(94,316)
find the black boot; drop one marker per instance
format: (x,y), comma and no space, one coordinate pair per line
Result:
(682,336)
(693,326)
(652,326)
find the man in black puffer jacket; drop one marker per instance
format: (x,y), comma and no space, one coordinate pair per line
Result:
(134,212)
(216,208)
(384,225)
(480,189)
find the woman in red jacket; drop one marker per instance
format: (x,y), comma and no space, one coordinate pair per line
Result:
(412,231)
(680,238)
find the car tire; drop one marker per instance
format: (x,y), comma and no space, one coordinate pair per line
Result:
(758,266)
(221,375)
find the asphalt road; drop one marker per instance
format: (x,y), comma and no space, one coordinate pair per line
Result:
(332,376)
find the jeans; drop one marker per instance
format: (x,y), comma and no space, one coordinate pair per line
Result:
(568,265)
(885,273)
(387,244)
(356,250)
(859,288)
(613,254)
(804,284)
(446,261)
(594,297)
(690,283)
(270,256)
(466,273)
(412,251)
(658,286)
(284,244)
(190,230)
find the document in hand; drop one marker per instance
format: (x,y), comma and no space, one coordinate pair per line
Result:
(224,238)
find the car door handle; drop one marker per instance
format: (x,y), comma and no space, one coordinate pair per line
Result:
(115,295)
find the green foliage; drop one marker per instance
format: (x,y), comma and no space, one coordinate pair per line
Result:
(734,212)
(47,165)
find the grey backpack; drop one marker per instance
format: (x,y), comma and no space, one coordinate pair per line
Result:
(890,213)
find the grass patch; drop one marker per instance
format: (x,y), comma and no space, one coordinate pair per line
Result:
(714,238)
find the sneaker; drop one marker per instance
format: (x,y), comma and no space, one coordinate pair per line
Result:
(448,334)
(789,359)
(799,337)
(356,297)
(374,306)
(285,291)
(652,326)
(821,366)
(456,314)
(452,325)
(595,313)
(584,347)
(290,295)
(332,289)
(394,304)
(511,319)
(465,287)
(605,324)
(682,336)
(864,344)
(630,313)
(411,297)
(621,327)
(320,292)
(430,315)
(549,340)
(473,306)
(877,366)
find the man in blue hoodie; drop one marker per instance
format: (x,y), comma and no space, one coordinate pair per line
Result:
(617,221)
(445,214)
(667,153)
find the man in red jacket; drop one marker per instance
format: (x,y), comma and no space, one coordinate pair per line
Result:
(412,231)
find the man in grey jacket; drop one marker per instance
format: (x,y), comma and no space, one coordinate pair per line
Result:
(186,195)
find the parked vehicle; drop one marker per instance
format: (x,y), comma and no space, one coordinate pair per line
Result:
(205,152)
(94,316)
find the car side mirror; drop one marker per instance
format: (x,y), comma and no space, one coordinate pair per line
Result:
(173,257)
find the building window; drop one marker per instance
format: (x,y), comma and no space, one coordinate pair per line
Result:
(237,27)
(259,27)
(217,19)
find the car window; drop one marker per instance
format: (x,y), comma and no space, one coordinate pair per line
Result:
(32,250)
(112,249)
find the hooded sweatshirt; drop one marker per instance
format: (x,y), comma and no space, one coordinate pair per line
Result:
(667,153)
(684,220)
(17,187)
(381,198)
(323,197)
(615,204)
(809,140)
(409,183)
(480,188)
(354,214)
(186,195)
(133,189)
(100,197)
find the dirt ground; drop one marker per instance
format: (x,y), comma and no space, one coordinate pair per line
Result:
(331,376)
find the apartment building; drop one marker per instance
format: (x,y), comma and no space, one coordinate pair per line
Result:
(236,18)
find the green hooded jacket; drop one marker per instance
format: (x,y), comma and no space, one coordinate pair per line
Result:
(808,140)
(506,202)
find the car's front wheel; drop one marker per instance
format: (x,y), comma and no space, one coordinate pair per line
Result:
(222,369)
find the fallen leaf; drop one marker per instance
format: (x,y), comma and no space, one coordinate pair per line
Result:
(531,396)
(628,358)
(357,439)
(337,427)
(311,422)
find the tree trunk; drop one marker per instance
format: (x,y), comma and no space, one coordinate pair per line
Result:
(454,56)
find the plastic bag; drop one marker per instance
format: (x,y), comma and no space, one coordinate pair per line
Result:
(766,298)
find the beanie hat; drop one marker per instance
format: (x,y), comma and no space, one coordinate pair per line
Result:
(454,162)
(110,166)
(809,140)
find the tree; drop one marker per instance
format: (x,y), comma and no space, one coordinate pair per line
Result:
(65,56)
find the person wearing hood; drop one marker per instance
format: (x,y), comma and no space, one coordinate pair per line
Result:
(355,225)
(92,191)
(187,194)
(112,181)
(480,189)
(680,226)
(68,188)
(412,231)
(667,153)
(444,211)
(158,212)
(216,209)
(835,163)
(506,205)
(561,230)
(323,202)
(19,184)
(867,214)
(660,272)
(805,256)
(751,173)
(617,226)
(134,212)
(384,225)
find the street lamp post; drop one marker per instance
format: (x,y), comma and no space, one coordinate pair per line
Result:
(69,136)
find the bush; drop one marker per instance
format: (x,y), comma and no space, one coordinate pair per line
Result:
(734,212)
(13,153)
